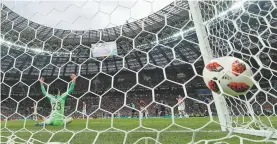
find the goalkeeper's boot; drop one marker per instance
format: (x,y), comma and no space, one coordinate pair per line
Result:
(69,120)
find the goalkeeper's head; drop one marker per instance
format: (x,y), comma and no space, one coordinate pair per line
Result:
(56,91)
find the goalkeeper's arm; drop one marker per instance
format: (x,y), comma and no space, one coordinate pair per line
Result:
(42,88)
(71,88)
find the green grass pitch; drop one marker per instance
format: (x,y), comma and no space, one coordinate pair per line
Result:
(125,130)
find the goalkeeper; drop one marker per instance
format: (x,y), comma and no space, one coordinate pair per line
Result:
(57,101)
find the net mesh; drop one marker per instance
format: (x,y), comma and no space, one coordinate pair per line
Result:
(241,33)
(158,59)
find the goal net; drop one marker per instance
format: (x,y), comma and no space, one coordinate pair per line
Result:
(238,32)
(129,94)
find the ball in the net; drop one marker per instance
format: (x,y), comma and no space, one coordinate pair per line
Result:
(231,74)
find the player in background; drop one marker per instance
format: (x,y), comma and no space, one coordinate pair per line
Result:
(181,106)
(162,109)
(84,110)
(142,110)
(207,101)
(57,101)
(35,116)
(133,109)
(156,110)
(146,113)
(118,114)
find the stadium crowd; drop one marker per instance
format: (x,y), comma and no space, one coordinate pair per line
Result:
(111,102)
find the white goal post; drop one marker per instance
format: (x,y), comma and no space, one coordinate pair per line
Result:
(223,113)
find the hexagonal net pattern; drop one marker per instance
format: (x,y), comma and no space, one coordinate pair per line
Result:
(133,96)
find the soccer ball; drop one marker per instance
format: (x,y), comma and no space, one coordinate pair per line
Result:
(232,74)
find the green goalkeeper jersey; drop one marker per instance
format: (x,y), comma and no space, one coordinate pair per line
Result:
(57,102)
